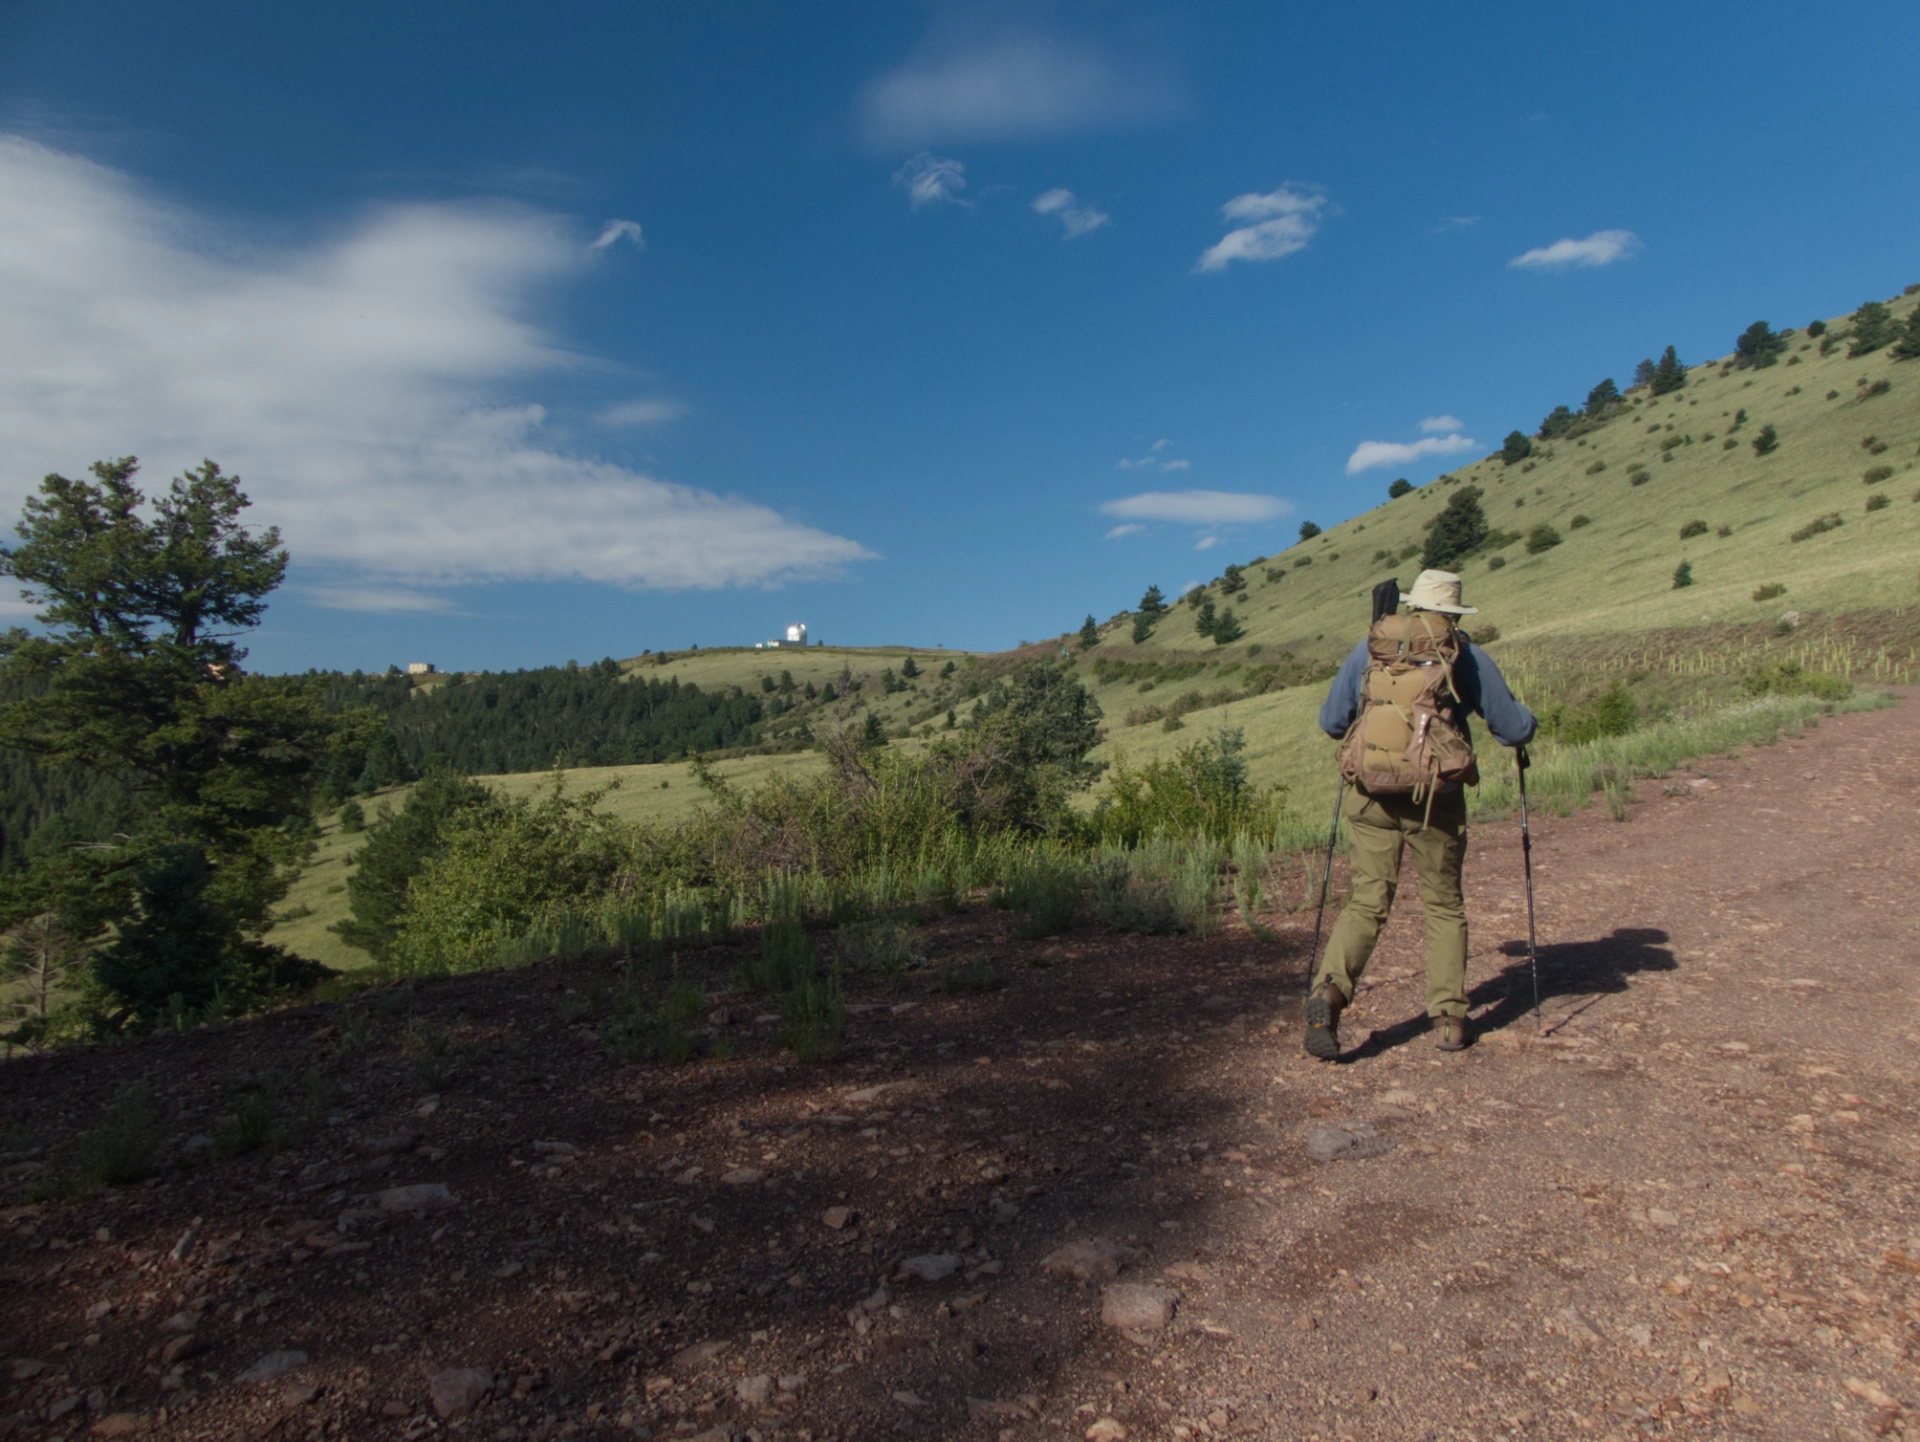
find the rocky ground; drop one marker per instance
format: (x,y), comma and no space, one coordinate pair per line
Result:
(1110,1199)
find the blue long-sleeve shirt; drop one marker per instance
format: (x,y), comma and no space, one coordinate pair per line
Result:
(1483,691)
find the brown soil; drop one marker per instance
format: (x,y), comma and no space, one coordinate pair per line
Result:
(1685,1208)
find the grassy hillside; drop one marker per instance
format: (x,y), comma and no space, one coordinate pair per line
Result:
(1615,574)
(1599,604)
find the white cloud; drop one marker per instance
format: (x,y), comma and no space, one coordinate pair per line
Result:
(1206,543)
(1175,465)
(1197,508)
(1369,454)
(1456,222)
(384,600)
(1008,84)
(642,411)
(1153,460)
(928,180)
(368,387)
(1132,529)
(1603,247)
(1434,425)
(1284,221)
(1078,219)
(617,230)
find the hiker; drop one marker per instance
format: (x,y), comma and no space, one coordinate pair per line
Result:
(1400,704)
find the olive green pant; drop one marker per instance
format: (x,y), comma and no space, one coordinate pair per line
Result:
(1380,829)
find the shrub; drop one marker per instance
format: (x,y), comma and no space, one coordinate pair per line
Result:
(1496,563)
(1578,521)
(1729,443)
(1308,530)
(1516,448)
(1878,501)
(353,819)
(1829,522)
(1542,537)
(1130,894)
(1786,678)
(1610,713)
(1486,635)
(1758,345)
(1878,388)
(812,1017)
(1639,477)
(1044,888)
(1816,328)
(1723,531)
(1873,475)
(1683,575)
(1692,529)
(118,1149)
(1204,789)
(1596,468)
(1399,488)
(1767,442)
(1769,591)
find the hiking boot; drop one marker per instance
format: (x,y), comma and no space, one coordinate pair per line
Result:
(1453,1032)
(1323,1022)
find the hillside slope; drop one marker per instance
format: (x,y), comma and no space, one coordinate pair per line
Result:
(1616,573)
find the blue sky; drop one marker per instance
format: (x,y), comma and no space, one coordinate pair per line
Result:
(576,330)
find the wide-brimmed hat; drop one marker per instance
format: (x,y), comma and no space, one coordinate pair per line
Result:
(1438,591)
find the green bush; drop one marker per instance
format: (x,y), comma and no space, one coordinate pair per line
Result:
(353,819)
(1878,501)
(1692,529)
(1874,475)
(1399,488)
(1788,678)
(1611,712)
(1127,897)
(1516,448)
(1496,562)
(1829,522)
(1729,443)
(1204,789)
(1043,887)
(1683,575)
(1767,442)
(1486,635)
(1542,537)
(1769,591)
(1578,522)
(117,1150)
(813,1017)
(1596,468)
(886,949)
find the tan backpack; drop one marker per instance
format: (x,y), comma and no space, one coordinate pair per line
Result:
(1404,742)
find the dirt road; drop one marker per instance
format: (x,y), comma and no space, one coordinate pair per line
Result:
(1686,1209)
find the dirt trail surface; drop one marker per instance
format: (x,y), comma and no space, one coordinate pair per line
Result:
(1086,1204)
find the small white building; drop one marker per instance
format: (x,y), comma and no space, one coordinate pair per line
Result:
(420,668)
(797,635)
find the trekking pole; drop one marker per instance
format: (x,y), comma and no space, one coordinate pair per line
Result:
(1326,879)
(1521,761)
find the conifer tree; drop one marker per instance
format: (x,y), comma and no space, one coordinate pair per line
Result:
(1517,448)
(1643,373)
(1089,634)
(1308,530)
(1401,487)
(1873,328)
(1456,531)
(1602,398)
(1670,374)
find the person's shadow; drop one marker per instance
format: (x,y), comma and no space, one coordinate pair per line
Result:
(1586,970)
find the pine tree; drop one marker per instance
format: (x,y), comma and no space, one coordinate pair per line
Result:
(873,735)
(1643,373)
(1227,627)
(1873,328)
(1206,621)
(1153,605)
(1089,634)
(1683,575)
(1670,375)
(1758,345)
(1558,422)
(1456,531)
(1517,448)
(1142,628)
(1233,581)
(1602,398)
(1908,346)
(909,669)
(1308,530)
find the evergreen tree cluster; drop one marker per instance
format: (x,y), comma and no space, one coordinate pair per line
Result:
(488,723)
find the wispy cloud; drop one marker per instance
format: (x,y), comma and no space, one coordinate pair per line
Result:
(1198,508)
(382,600)
(1282,221)
(1369,454)
(1603,247)
(1456,222)
(1154,459)
(1206,543)
(620,230)
(1009,84)
(644,411)
(1078,219)
(1131,529)
(1434,425)
(929,180)
(369,388)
